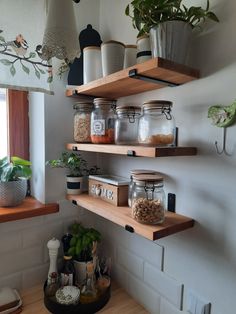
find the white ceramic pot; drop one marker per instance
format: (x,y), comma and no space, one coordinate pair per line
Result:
(112,56)
(74,185)
(12,193)
(143,49)
(92,64)
(130,56)
(171,40)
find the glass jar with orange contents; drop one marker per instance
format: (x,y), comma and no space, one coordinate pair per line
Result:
(103,121)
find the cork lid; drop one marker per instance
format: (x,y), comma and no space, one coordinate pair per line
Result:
(156,104)
(92,47)
(145,178)
(126,109)
(131,46)
(113,42)
(142,171)
(83,105)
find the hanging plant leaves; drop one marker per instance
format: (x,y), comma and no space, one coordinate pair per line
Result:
(13,70)
(5,62)
(37,73)
(26,69)
(222,116)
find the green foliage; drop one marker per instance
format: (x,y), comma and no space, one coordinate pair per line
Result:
(222,116)
(76,165)
(148,13)
(14,170)
(82,242)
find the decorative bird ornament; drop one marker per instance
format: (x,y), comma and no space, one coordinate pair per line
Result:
(222,116)
(19,45)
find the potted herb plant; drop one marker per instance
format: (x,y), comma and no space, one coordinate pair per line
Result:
(14,174)
(82,248)
(170,24)
(76,166)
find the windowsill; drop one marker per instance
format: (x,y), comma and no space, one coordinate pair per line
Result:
(29,208)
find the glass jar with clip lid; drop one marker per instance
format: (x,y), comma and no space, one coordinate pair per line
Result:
(126,125)
(148,199)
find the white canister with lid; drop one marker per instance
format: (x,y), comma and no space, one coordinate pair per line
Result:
(143,49)
(112,56)
(130,56)
(92,64)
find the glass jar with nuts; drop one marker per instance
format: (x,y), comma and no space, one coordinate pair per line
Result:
(82,122)
(148,199)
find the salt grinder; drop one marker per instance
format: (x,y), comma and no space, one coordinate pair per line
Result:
(53,246)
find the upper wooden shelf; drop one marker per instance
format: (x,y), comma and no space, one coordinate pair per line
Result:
(29,208)
(122,216)
(119,84)
(137,151)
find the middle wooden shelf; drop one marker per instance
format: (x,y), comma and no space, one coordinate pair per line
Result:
(121,215)
(136,150)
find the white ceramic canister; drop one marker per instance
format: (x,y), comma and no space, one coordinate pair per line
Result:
(112,56)
(130,56)
(143,49)
(92,64)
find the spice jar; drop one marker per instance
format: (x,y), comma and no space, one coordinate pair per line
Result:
(134,173)
(126,124)
(82,122)
(148,199)
(102,121)
(157,125)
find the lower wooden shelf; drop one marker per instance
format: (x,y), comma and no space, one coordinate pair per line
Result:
(29,208)
(122,216)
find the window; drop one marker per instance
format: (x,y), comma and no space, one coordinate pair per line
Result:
(14,122)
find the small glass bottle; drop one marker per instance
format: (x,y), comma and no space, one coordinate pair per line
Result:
(52,285)
(126,125)
(148,199)
(68,272)
(134,173)
(82,122)
(103,121)
(157,125)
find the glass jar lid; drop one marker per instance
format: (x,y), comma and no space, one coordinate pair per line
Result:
(157,104)
(145,179)
(83,105)
(103,102)
(126,109)
(142,171)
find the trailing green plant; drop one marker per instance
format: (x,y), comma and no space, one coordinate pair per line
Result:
(82,242)
(14,169)
(149,13)
(75,164)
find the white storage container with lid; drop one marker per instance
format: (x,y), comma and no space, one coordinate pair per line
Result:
(126,124)
(157,125)
(148,199)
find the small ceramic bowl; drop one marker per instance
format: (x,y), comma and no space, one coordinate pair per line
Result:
(68,295)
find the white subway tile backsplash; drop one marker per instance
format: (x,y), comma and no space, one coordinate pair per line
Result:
(19,260)
(164,284)
(13,281)
(10,241)
(130,262)
(167,308)
(120,275)
(35,276)
(13,226)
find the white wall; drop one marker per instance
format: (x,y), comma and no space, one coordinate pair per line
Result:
(202,259)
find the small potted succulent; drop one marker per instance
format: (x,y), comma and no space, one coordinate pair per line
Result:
(14,174)
(76,166)
(170,24)
(82,248)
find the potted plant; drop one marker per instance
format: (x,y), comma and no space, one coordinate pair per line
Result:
(170,24)
(82,248)
(76,166)
(14,174)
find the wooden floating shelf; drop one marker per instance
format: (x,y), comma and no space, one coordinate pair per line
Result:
(122,216)
(119,84)
(137,151)
(29,208)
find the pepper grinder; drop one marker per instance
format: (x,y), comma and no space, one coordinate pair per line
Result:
(53,246)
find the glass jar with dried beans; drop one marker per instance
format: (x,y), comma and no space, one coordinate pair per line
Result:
(157,125)
(126,125)
(82,122)
(148,199)
(103,121)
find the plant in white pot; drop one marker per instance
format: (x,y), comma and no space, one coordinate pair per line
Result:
(14,174)
(82,248)
(77,168)
(170,24)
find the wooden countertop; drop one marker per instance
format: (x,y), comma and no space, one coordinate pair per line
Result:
(120,302)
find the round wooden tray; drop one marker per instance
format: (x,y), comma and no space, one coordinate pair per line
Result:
(88,308)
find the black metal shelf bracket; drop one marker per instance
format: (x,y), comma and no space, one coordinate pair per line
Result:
(133,74)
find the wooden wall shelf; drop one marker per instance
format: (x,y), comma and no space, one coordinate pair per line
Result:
(29,208)
(119,84)
(137,151)
(122,216)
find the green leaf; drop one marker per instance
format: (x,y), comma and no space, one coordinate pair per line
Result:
(32,55)
(127,10)
(26,69)
(37,73)
(41,71)
(19,161)
(71,251)
(50,79)
(5,62)
(13,70)
(212,16)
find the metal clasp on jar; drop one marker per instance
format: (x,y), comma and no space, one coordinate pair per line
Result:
(149,190)
(166,110)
